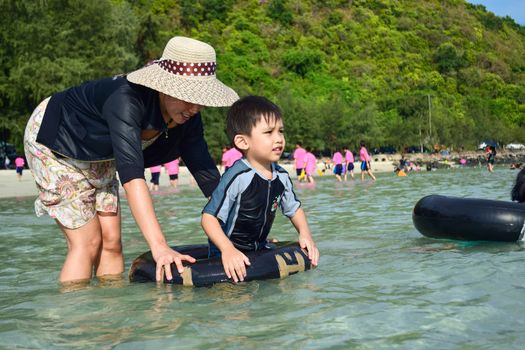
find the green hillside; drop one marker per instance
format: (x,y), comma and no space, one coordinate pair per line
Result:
(390,72)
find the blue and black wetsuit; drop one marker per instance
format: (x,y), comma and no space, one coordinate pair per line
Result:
(245,203)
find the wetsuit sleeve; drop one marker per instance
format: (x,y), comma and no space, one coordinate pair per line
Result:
(124,114)
(223,201)
(289,202)
(195,154)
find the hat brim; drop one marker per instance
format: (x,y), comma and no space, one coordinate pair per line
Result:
(201,90)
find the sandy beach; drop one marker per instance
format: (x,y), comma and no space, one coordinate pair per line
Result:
(10,187)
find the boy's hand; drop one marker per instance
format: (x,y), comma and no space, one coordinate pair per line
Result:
(306,242)
(234,262)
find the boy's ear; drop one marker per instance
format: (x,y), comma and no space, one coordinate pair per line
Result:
(241,142)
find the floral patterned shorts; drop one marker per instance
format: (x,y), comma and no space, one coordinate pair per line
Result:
(70,191)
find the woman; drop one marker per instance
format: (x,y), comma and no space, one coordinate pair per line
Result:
(78,139)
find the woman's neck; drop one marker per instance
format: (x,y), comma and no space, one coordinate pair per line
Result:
(170,123)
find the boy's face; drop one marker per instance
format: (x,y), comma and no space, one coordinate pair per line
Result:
(266,142)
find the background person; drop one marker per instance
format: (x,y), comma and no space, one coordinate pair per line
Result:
(229,157)
(223,158)
(76,141)
(155,177)
(337,159)
(310,165)
(400,172)
(19,163)
(349,163)
(491,157)
(298,156)
(172,168)
(518,190)
(365,162)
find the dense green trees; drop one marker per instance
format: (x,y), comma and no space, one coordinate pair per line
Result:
(394,73)
(48,46)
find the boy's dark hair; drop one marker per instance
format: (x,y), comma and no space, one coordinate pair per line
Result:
(518,191)
(244,114)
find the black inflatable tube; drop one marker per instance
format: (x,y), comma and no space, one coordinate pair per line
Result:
(469,219)
(287,258)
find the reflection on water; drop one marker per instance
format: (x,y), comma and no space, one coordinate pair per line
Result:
(380,284)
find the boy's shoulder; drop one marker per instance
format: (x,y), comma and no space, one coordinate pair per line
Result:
(238,168)
(279,169)
(242,166)
(281,173)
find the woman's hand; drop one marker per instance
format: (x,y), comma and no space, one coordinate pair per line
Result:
(164,257)
(234,262)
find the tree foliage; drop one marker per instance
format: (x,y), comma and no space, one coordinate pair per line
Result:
(394,73)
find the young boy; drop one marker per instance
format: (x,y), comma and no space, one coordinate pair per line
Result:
(242,208)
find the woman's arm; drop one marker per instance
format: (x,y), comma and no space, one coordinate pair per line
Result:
(142,209)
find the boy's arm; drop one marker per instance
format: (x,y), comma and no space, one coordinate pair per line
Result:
(305,236)
(233,260)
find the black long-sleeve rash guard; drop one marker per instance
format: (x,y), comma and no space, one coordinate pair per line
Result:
(103,119)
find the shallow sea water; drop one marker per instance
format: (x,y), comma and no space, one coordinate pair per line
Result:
(379,285)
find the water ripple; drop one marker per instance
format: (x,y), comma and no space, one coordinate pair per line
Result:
(380,284)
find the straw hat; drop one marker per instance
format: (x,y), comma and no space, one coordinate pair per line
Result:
(186,71)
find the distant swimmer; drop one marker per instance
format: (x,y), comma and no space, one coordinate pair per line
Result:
(400,172)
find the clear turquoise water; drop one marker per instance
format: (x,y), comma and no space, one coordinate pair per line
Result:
(380,284)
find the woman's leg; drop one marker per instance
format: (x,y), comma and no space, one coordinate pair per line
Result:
(110,260)
(84,245)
